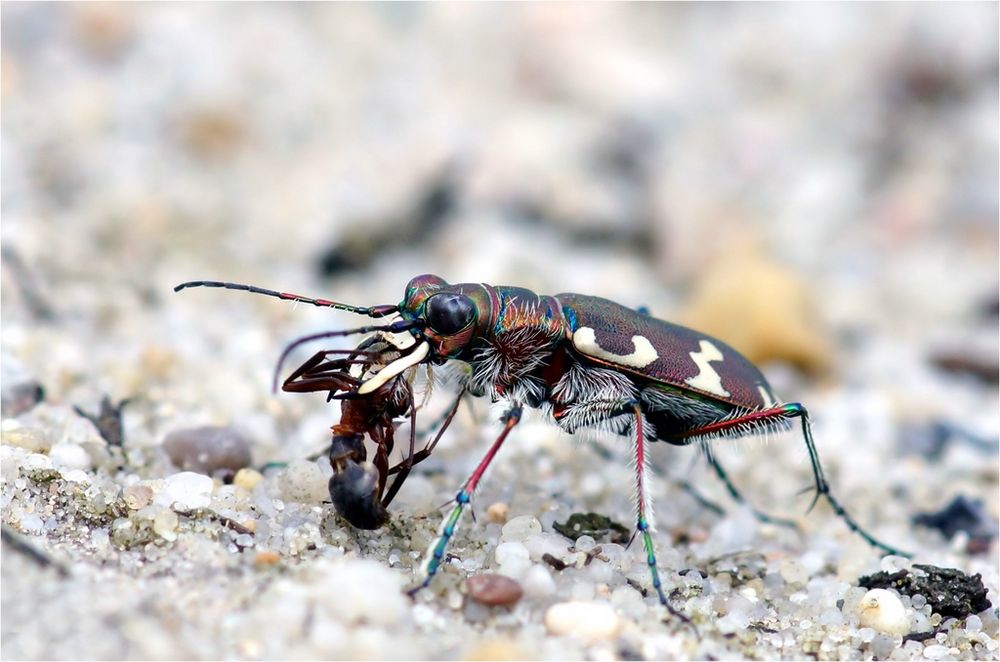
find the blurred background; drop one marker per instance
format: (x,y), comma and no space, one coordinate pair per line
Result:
(815,183)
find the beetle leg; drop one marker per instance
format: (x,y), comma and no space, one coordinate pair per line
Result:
(795,409)
(735,494)
(642,524)
(766,417)
(435,554)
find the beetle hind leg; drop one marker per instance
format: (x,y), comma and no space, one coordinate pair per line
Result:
(778,418)
(796,410)
(738,497)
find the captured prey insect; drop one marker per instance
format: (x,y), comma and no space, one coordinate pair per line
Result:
(586,361)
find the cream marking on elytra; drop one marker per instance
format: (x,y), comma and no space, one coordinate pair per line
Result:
(585,340)
(395,368)
(707,378)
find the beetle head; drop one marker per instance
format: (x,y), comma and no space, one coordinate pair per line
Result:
(451,314)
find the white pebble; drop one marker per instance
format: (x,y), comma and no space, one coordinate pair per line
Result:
(973,623)
(189,491)
(538,582)
(794,572)
(31,523)
(35,462)
(31,439)
(936,652)
(520,528)
(545,543)
(831,617)
(69,456)
(508,550)
(360,591)
(883,611)
(138,496)
(585,544)
(882,646)
(100,538)
(304,481)
(893,563)
(165,524)
(76,476)
(590,621)
(515,567)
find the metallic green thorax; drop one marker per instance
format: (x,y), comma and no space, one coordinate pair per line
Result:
(499,310)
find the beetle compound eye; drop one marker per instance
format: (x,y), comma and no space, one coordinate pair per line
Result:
(448,314)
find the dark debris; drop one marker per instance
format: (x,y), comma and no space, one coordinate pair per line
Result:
(107,420)
(963,514)
(948,591)
(595,525)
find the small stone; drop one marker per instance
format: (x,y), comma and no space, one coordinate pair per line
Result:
(508,550)
(305,482)
(882,646)
(793,572)
(831,617)
(266,557)
(69,456)
(520,528)
(165,524)
(188,490)
(138,496)
(207,449)
(936,652)
(28,438)
(973,624)
(497,512)
(590,621)
(494,590)
(764,310)
(19,390)
(32,524)
(882,610)
(538,582)
(247,478)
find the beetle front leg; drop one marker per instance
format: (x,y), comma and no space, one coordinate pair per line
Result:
(642,523)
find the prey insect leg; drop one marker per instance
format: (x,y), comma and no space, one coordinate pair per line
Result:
(404,467)
(435,554)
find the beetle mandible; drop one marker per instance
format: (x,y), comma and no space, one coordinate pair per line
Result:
(587,362)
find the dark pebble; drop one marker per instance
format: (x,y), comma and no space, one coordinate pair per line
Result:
(494,590)
(208,449)
(17,398)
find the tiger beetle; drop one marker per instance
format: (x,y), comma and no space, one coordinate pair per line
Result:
(585,361)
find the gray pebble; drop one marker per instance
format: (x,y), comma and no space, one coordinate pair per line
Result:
(207,449)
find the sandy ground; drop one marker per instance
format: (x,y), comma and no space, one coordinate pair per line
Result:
(815,184)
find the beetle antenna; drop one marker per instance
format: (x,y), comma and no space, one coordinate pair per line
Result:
(371,311)
(396,327)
